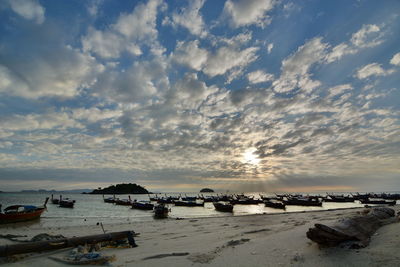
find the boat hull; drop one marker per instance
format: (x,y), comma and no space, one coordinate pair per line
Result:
(223,207)
(21,217)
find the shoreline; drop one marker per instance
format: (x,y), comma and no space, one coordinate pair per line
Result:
(243,240)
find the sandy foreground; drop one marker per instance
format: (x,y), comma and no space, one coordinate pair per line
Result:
(254,240)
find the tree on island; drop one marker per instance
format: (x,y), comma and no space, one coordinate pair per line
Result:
(206,190)
(121,189)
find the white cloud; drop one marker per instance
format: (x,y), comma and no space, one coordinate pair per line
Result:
(190,18)
(29,9)
(336,90)
(60,73)
(105,44)
(395,60)
(368,36)
(190,92)
(127,34)
(295,68)
(248,12)
(373,69)
(269,47)
(339,51)
(141,23)
(94,114)
(227,58)
(45,121)
(138,83)
(259,76)
(190,54)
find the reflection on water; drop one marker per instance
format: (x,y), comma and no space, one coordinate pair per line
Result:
(90,209)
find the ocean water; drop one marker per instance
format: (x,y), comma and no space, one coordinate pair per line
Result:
(91,209)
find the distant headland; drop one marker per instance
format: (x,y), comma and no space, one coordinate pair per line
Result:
(121,189)
(206,190)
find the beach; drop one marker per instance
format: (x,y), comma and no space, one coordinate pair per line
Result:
(249,240)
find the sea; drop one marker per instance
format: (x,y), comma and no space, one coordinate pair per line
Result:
(92,210)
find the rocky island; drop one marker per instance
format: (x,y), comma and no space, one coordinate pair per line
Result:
(206,190)
(121,189)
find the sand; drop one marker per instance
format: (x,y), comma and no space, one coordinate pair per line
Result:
(253,240)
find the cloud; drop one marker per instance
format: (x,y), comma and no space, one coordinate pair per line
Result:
(294,70)
(190,18)
(370,35)
(269,47)
(129,33)
(29,9)
(259,76)
(33,122)
(139,83)
(191,92)
(373,69)
(336,90)
(248,12)
(395,60)
(227,58)
(62,72)
(190,54)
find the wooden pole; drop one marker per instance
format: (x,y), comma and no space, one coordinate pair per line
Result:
(39,246)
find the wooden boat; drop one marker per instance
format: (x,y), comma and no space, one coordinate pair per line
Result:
(142,205)
(302,202)
(160,211)
(224,207)
(54,201)
(109,199)
(333,198)
(245,201)
(378,202)
(274,204)
(66,203)
(21,213)
(123,202)
(188,203)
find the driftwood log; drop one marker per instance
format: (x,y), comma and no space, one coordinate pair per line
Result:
(355,231)
(9,250)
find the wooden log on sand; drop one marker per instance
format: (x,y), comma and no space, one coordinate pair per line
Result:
(358,230)
(39,246)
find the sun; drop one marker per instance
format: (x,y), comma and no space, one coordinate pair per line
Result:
(250,157)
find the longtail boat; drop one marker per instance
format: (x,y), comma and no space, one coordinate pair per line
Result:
(109,199)
(274,204)
(66,202)
(21,213)
(224,207)
(160,211)
(378,202)
(54,200)
(142,205)
(123,202)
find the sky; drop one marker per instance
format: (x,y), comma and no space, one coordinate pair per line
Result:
(239,95)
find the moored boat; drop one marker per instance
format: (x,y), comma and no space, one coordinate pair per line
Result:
(302,202)
(224,207)
(142,205)
(274,204)
(66,203)
(160,211)
(188,203)
(21,213)
(109,199)
(54,201)
(378,202)
(123,202)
